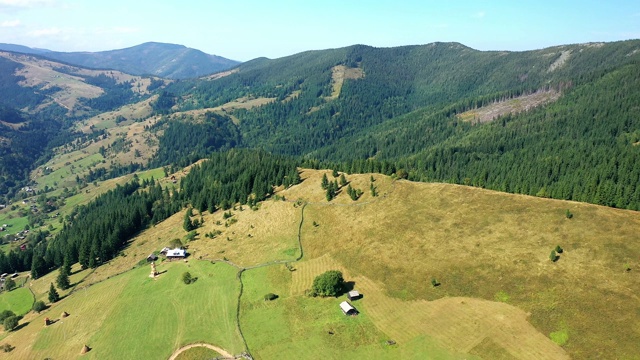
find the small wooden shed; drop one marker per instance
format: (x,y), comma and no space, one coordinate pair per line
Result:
(353,295)
(348,309)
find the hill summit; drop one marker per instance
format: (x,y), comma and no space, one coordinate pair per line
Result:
(152,58)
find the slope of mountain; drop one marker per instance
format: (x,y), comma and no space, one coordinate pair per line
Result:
(40,102)
(159,59)
(401,105)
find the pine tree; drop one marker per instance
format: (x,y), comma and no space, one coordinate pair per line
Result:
(53,294)
(325,182)
(63,279)
(188,225)
(334,173)
(343,180)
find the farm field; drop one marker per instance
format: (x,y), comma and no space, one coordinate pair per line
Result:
(145,318)
(18,300)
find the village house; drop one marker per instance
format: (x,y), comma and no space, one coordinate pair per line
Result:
(176,254)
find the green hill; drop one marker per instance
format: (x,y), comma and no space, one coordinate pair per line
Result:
(152,58)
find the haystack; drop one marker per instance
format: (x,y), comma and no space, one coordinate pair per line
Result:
(85,349)
(64,314)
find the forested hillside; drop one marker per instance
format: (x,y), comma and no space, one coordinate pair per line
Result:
(402,105)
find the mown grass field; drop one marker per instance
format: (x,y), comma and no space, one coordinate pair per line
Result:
(198,353)
(18,300)
(132,316)
(298,327)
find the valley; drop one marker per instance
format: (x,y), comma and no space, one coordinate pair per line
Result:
(484,203)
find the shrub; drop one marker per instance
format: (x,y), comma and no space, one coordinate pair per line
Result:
(329,283)
(6,314)
(270,296)
(553,257)
(568,214)
(187,278)
(175,243)
(434,282)
(9,284)
(39,306)
(559,250)
(11,323)
(6,348)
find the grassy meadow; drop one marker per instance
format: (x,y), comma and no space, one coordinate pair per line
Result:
(18,300)
(499,294)
(134,316)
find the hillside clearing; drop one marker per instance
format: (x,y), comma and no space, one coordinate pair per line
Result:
(510,106)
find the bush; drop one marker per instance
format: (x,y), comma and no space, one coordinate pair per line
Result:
(434,282)
(553,257)
(568,214)
(270,296)
(329,283)
(559,250)
(187,278)
(11,323)
(39,306)
(6,314)
(9,284)
(6,348)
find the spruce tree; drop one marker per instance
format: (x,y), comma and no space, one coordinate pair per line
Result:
(343,180)
(63,279)
(325,182)
(53,294)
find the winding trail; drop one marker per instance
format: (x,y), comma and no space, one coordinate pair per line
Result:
(208,346)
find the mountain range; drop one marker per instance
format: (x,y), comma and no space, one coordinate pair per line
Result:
(152,58)
(535,122)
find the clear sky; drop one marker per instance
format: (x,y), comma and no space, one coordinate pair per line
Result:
(246,29)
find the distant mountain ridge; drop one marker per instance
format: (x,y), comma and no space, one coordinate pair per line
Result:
(152,58)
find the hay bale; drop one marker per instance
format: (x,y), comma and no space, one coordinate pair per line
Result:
(64,314)
(85,349)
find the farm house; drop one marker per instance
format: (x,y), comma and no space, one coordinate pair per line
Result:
(176,254)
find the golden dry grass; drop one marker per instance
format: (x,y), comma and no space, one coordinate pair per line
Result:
(267,234)
(486,245)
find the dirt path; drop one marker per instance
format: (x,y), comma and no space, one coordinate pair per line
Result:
(214,348)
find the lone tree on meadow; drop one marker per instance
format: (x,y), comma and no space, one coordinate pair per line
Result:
(39,306)
(53,294)
(330,283)
(11,323)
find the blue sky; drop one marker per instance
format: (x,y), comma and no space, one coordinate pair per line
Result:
(246,29)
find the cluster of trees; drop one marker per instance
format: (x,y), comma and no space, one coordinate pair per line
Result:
(237,176)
